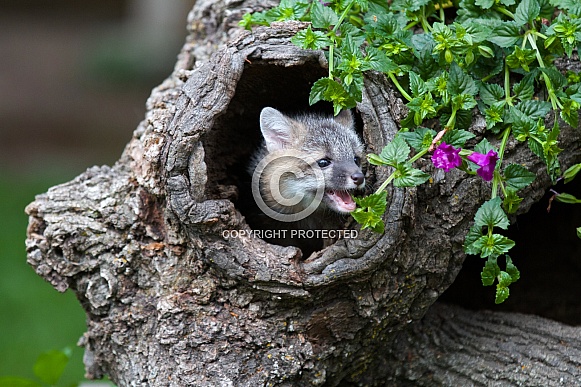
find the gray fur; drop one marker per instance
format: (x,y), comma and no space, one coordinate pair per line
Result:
(315,136)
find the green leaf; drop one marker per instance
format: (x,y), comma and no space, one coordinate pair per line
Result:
(491,93)
(570,112)
(457,137)
(50,365)
(567,198)
(397,151)
(579,232)
(407,176)
(490,214)
(459,82)
(512,270)
(484,4)
(490,272)
(521,58)
(524,90)
(511,201)
(502,294)
(517,177)
(473,235)
(327,89)
(369,211)
(558,80)
(534,109)
(506,34)
(323,17)
(493,245)
(376,159)
(419,139)
(527,11)
(378,61)
(13,381)
(484,146)
(571,172)
(311,40)
(417,85)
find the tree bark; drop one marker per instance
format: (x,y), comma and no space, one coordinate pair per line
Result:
(173,298)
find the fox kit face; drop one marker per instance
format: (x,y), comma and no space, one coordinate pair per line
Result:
(314,159)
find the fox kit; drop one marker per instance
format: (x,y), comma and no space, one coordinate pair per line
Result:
(305,172)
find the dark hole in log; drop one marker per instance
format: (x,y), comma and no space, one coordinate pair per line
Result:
(548,256)
(236,136)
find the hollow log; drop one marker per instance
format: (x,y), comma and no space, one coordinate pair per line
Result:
(178,291)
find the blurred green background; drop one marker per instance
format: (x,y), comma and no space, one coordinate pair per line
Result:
(74,79)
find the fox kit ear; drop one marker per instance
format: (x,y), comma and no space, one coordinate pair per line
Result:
(345,118)
(276,129)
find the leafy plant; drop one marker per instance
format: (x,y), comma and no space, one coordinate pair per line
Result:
(496,56)
(48,368)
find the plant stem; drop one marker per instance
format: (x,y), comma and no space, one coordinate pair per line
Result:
(392,176)
(497,178)
(552,96)
(507,97)
(396,83)
(505,12)
(331,60)
(343,15)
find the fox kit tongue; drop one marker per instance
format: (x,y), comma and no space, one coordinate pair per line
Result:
(343,200)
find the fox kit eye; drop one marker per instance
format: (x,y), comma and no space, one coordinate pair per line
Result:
(324,163)
(357,160)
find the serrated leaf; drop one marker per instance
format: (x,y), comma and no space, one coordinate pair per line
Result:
(327,89)
(457,137)
(502,294)
(490,214)
(376,159)
(511,201)
(369,211)
(407,176)
(534,109)
(490,272)
(579,232)
(419,139)
(311,40)
(524,90)
(484,146)
(474,234)
(396,152)
(459,82)
(417,85)
(491,93)
(505,35)
(526,11)
(493,245)
(323,17)
(50,365)
(376,202)
(378,61)
(484,4)
(512,270)
(517,177)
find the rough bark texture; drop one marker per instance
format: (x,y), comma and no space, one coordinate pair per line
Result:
(172,301)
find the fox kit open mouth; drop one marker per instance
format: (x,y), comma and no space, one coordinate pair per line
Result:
(340,201)
(307,169)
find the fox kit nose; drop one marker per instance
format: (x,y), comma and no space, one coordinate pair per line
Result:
(358,178)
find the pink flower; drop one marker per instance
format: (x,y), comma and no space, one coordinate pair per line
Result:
(446,157)
(486,162)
